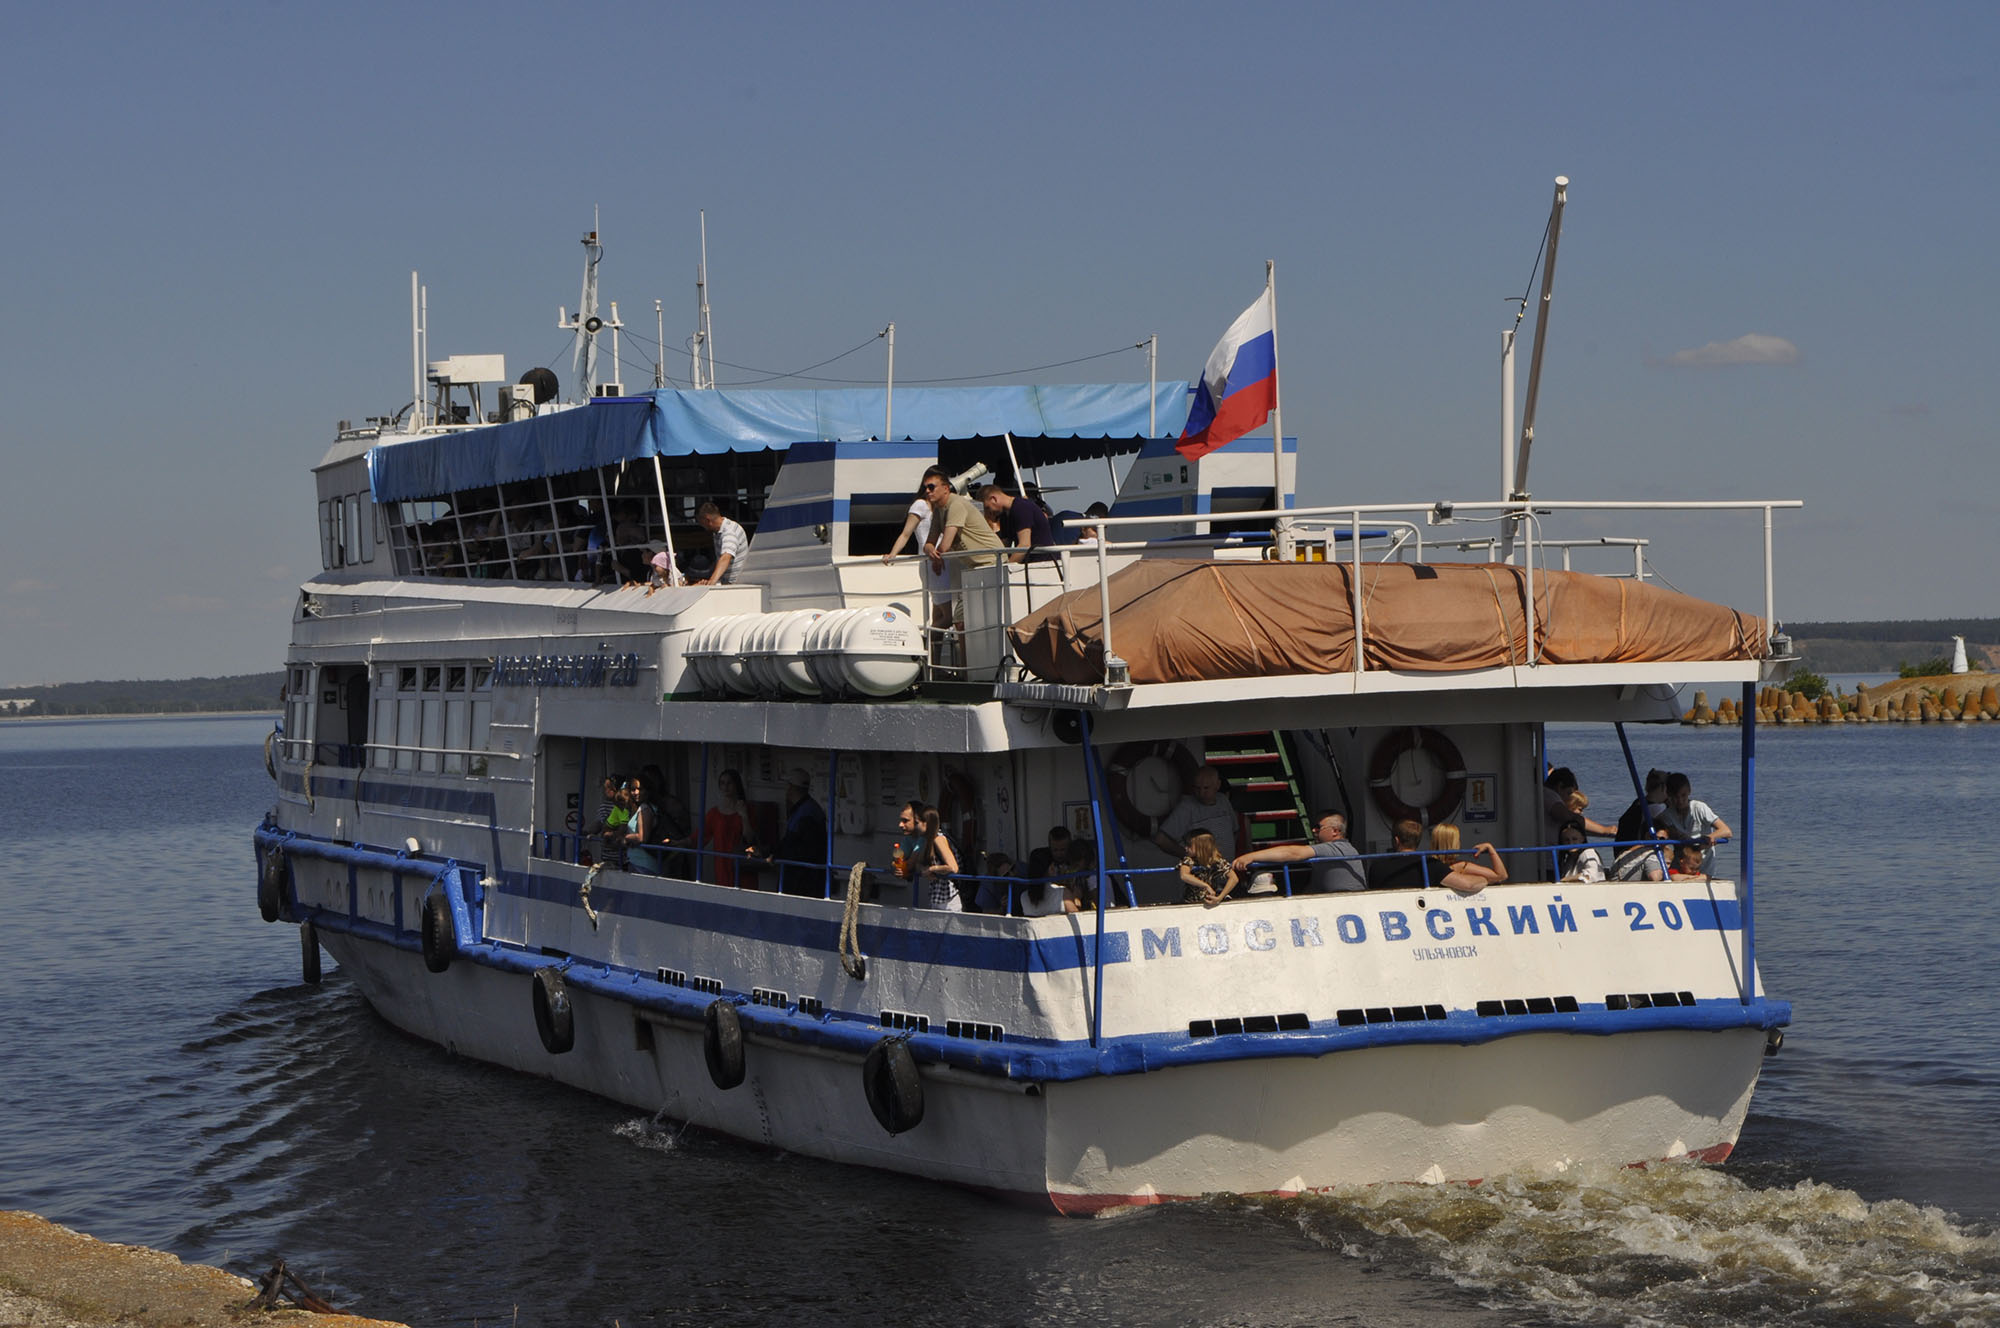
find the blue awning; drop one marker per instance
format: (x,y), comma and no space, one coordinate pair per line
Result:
(682,423)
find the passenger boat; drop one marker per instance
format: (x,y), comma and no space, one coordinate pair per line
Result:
(468,667)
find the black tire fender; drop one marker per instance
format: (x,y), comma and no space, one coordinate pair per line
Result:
(271,873)
(722,1044)
(889,1080)
(309,953)
(440,940)
(555,1020)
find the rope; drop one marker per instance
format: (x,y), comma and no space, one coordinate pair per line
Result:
(851,957)
(309,788)
(270,766)
(583,893)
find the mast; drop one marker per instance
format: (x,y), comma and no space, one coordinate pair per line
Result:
(586,324)
(1541,337)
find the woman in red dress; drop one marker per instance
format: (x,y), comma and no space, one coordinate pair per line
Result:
(723,830)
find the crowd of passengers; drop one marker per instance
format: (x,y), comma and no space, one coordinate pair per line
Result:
(1665,834)
(530,546)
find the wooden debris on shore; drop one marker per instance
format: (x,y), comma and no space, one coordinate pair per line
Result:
(1947,703)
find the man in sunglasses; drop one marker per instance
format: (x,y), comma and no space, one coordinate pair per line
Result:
(957,525)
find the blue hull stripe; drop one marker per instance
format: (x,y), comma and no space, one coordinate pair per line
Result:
(1015,1058)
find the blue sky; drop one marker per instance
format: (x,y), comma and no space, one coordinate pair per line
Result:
(212,214)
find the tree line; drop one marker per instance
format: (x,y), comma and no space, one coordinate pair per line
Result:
(183,696)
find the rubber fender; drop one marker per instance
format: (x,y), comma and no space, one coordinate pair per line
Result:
(271,873)
(722,1044)
(889,1079)
(555,1021)
(439,940)
(309,953)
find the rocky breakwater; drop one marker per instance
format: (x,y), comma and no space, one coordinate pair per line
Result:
(1961,698)
(52,1277)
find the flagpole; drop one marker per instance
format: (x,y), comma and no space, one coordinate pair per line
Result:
(1282,530)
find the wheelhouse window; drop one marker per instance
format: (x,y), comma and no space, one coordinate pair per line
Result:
(592,527)
(432,717)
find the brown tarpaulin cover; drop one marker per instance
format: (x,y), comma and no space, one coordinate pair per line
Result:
(1178,620)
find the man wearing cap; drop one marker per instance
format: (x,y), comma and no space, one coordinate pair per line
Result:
(802,841)
(731,544)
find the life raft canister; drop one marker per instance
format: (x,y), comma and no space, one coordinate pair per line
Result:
(272,871)
(440,942)
(1442,753)
(889,1081)
(722,1044)
(309,953)
(555,1021)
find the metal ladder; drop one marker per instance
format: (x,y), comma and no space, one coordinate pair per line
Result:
(1263,786)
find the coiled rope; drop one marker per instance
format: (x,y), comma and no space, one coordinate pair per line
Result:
(851,957)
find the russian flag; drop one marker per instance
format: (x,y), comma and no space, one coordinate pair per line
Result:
(1239,385)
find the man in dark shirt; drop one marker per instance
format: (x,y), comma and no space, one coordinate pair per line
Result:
(1405,873)
(802,840)
(1023,525)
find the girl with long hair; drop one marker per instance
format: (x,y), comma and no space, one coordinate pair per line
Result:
(936,861)
(1466,875)
(1207,877)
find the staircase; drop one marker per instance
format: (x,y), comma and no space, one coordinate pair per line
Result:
(1263,786)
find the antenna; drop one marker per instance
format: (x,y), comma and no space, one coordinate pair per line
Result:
(660,333)
(416,353)
(704,342)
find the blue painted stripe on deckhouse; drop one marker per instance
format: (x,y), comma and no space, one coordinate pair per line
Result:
(395,793)
(918,945)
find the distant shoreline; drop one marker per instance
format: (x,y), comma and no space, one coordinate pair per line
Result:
(139,714)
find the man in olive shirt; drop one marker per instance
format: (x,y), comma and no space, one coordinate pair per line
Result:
(957,524)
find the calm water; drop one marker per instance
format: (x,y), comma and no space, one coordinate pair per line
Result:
(168,1081)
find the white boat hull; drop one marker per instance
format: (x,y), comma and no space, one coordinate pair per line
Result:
(1534,1102)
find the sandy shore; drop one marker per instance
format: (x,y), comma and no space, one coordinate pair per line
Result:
(52,1277)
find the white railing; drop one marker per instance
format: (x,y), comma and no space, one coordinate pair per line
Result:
(1372,532)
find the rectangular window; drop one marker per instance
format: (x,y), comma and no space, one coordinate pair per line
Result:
(406,730)
(457,732)
(383,732)
(350,530)
(326,535)
(433,731)
(364,526)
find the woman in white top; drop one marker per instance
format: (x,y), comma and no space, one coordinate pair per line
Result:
(1580,864)
(937,581)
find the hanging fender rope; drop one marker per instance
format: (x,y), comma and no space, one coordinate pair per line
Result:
(270,766)
(851,958)
(583,893)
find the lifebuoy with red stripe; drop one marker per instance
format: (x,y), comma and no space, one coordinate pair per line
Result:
(1432,746)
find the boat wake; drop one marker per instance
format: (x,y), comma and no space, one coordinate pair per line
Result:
(1675,1244)
(655,1134)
